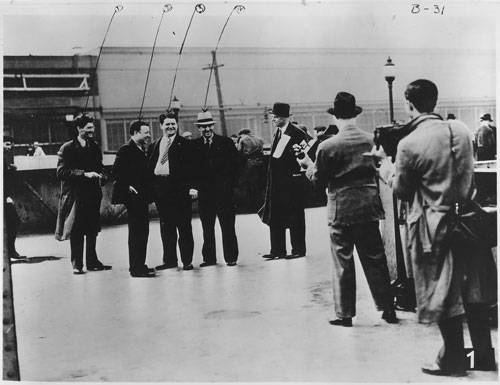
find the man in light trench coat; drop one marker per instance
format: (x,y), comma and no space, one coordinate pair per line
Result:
(434,169)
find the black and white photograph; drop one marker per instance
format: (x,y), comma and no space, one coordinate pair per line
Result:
(250,191)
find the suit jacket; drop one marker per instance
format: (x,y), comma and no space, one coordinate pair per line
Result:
(129,169)
(350,177)
(181,167)
(216,169)
(285,182)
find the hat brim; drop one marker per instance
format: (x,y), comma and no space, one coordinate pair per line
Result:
(205,123)
(357,110)
(272,113)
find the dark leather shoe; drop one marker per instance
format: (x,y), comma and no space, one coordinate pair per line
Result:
(346,322)
(78,271)
(293,256)
(188,267)
(205,264)
(436,370)
(232,263)
(390,316)
(99,268)
(143,274)
(272,256)
(165,267)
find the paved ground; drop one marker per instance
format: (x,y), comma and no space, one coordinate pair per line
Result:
(259,321)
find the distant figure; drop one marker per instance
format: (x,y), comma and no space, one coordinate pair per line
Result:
(485,139)
(322,133)
(252,176)
(80,170)
(188,135)
(38,149)
(304,129)
(235,139)
(10,214)
(451,118)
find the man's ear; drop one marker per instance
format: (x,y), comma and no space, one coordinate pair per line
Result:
(411,106)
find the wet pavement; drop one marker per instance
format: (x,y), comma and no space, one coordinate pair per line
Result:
(261,320)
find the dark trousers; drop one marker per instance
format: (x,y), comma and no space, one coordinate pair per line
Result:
(451,356)
(138,232)
(11,227)
(175,216)
(297,236)
(210,206)
(366,237)
(76,243)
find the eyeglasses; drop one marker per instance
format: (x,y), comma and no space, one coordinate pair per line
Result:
(170,124)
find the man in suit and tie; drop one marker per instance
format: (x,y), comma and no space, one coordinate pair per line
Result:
(216,170)
(354,210)
(131,189)
(284,202)
(170,168)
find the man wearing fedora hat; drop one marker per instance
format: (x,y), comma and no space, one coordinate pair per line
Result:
(354,210)
(216,164)
(284,201)
(485,139)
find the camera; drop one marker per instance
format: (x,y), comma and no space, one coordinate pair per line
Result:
(388,137)
(300,153)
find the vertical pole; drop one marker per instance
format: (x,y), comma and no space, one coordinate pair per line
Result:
(219,95)
(391,106)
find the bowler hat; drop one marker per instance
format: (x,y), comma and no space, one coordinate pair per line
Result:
(486,117)
(344,106)
(204,119)
(450,116)
(280,109)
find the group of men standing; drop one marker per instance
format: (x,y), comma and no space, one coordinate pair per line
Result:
(171,172)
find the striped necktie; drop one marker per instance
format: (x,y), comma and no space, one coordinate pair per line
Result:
(164,158)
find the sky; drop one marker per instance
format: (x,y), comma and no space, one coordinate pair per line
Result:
(59,27)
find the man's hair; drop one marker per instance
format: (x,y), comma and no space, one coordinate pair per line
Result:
(82,120)
(136,125)
(169,115)
(244,131)
(422,94)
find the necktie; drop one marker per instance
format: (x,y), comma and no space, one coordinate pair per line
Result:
(207,144)
(164,158)
(277,137)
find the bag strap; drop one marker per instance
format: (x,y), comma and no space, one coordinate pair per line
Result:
(453,162)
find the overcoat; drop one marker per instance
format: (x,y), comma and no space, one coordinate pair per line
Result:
(80,197)
(130,169)
(285,188)
(427,177)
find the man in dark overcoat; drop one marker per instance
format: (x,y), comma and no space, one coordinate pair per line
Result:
(354,210)
(170,169)
(284,201)
(132,190)
(80,169)
(216,163)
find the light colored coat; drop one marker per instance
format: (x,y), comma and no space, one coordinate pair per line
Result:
(426,176)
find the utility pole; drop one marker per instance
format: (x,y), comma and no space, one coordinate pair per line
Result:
(215,67)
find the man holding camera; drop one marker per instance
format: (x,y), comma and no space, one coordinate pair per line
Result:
(284,201)
(433,171)
(354,210)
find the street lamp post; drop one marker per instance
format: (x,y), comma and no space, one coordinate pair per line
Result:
(176,107)
(389,71)
(389,75)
